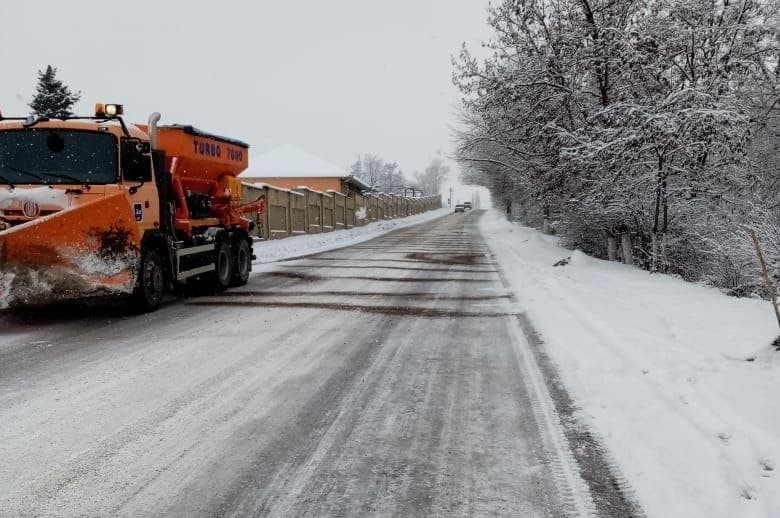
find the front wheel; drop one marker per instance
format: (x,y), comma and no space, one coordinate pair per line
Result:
(150,289)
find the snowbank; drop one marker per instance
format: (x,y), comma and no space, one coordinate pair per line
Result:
(678,380)
(272,251)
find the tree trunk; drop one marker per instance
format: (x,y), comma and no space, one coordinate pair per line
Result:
(546,227)
(664,259)
(626,248)
(659,201)
(660,258)
(654,263)
(612,248)
(664,256)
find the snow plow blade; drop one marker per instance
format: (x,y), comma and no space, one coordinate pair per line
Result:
(88,250)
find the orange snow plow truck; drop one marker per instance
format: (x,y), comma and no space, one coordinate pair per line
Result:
(93,207)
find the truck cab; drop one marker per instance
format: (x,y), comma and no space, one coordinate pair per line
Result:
(53,165)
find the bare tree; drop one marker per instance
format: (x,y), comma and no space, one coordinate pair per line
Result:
(430,180)
(372,168)
(378,173)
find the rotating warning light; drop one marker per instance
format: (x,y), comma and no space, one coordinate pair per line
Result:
(109,110)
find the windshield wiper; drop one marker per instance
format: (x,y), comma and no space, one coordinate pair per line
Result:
(71,178)
(28,173)
(6,180)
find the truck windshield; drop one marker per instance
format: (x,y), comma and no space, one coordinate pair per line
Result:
(47,156)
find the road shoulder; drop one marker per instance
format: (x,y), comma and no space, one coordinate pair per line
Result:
(657,373)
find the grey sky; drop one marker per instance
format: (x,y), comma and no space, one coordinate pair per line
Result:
(336,77)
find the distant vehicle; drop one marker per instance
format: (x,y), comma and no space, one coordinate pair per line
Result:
(460,208)
(467,204)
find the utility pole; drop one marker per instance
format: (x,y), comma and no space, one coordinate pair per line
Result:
(450,199)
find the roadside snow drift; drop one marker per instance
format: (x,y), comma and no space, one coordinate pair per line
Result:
(678,380)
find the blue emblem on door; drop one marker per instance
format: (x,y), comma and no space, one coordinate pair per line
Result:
(139,211)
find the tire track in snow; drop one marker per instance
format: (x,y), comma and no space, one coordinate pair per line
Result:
(569,468)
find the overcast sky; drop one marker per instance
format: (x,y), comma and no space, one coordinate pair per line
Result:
(336,77)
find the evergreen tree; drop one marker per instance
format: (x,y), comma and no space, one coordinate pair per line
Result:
(53,99)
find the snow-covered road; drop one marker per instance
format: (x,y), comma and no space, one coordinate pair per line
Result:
(390,378)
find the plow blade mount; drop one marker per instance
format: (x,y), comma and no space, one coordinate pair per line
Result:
(89,250)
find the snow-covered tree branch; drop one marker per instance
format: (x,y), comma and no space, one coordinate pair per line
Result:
(652,121)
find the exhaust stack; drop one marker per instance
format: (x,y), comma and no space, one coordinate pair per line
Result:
(154,118)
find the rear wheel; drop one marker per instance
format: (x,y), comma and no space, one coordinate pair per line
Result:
(220,278)
(243,263)
(149,292)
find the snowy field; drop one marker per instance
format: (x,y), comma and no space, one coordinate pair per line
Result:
(296,246)
(677,380)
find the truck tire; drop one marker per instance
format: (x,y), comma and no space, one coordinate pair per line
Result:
(219,280)
(242,265)
(149,292)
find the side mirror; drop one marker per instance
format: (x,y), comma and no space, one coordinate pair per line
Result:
(136,161)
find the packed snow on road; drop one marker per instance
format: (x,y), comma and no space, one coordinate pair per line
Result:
(296,246)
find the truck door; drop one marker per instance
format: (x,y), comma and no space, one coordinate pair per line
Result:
(138,180)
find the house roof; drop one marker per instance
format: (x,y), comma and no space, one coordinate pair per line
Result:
(290,161)
(261,185)
(356,183)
